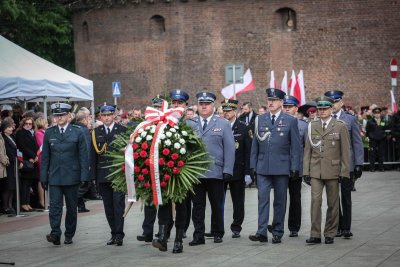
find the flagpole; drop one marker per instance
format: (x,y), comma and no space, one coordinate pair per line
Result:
(234,82)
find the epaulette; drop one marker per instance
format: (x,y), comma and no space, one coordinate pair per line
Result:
(193,120)
(242,122)
(77,126)
(51,127)
(342,121)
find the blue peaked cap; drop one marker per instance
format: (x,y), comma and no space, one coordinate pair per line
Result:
(107,109)
(334,94)
(290,101)
(178,94)
(206,97)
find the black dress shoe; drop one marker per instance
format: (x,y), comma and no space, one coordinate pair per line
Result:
(354,189)
(313,240)
(83,209)
(276,239)
(68,241)
(235,234)
(118,242)
(328,240)
(209,235)
(347,234)
(52,239)
(339,233)
(294,234)
(197,242)
(258,237)
(111,241)
(270,228)
(217,239)
(145,238)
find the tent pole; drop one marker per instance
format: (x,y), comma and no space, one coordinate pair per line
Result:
(46,192)
(93,115)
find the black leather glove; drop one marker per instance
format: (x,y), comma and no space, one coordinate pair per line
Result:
(253,173)
(340,179)
(357,171)
(227,177)
(294,175)
(45,185)
(84,184)
(307,179)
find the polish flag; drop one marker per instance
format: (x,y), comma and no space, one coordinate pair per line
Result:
(292,83)
(247,85)
(272,82)
(393,101)
(299,91)
(19,155)
(284,85)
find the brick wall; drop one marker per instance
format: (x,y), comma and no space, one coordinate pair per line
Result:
(338,44)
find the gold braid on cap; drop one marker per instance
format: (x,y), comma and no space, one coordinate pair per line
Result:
(103,149)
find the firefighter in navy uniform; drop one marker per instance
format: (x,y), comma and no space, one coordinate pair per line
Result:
(64,166)
(241,168)
(114,202)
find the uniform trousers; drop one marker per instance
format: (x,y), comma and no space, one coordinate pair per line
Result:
(214,188)
(114,207)
(165,214)
(294,218)
(264,184)
(332,213)
(237,189)
(345,209)
(70,193)
(377,151)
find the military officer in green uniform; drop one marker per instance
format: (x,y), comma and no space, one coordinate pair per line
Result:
(326,162)
(64,165)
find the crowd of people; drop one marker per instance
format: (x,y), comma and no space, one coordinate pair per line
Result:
(279,147)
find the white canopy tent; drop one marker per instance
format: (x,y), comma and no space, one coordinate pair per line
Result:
(29,78)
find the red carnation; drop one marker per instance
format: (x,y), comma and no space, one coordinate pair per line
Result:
(147,162)
(140,178)
(170,164)
(123,167)
(167,177)
(136,169)
(165,151)
(181,163)
(145,146)
(135,155)
(163,184)
(145,171)
(134,146)
(174,156)
(161,161)
(143,154)
(147,185)
(176,170)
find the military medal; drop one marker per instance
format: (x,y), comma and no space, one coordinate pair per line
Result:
(279,129)
(333,143)
(236,145)
(281,134)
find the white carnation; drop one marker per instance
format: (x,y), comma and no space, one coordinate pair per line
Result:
(172,130)
(184,133)
(177,145)
(182,151)
(149,137)
(153,130)
(182,141)
(176,127)
(168,134)
(143,134)
(138,139)
(162,136)
(167,142)
(140,130)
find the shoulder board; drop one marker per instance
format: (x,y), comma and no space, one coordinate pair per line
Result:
(341,121)
(192,120)
(52,127)
(315,121)
(76,126)
(242,123)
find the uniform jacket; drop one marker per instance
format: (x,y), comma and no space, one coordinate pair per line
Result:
(250,124)
(64,159)
(220,144)
(280,153)
(26,143)
(303,125)
(332,158)
(375,131)
(100,162)
(242,150)
(356,144)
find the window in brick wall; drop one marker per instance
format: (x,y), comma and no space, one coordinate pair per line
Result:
(85,31)
(157,26)
(287,19)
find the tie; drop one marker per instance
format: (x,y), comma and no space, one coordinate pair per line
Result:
(204,124)
(273,119)
(108,131)
(324,126)
(62,131)
(335,116)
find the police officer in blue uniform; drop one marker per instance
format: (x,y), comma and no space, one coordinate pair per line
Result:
(217,135)
(114,202)
(356,162)
(64,166)
(241,168)
(275,156)
(290,106)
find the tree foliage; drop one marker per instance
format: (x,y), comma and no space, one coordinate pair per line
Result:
(43,27)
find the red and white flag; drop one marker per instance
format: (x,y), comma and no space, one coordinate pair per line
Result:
(299,91)
(393,102)
(247,85)
(272,82)
(19,155)
(284,85)
(292,83)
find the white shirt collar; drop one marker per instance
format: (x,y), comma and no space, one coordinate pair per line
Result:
(111,126)
(276,114)
(208,119)
(64,127)
(327,122)
(232,123)
(337,114)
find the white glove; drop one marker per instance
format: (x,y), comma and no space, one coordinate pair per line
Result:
(247,179)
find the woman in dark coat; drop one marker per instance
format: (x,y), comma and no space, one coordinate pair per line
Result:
(26,143)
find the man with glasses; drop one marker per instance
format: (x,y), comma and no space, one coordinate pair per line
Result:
(326,162)
(64,165)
